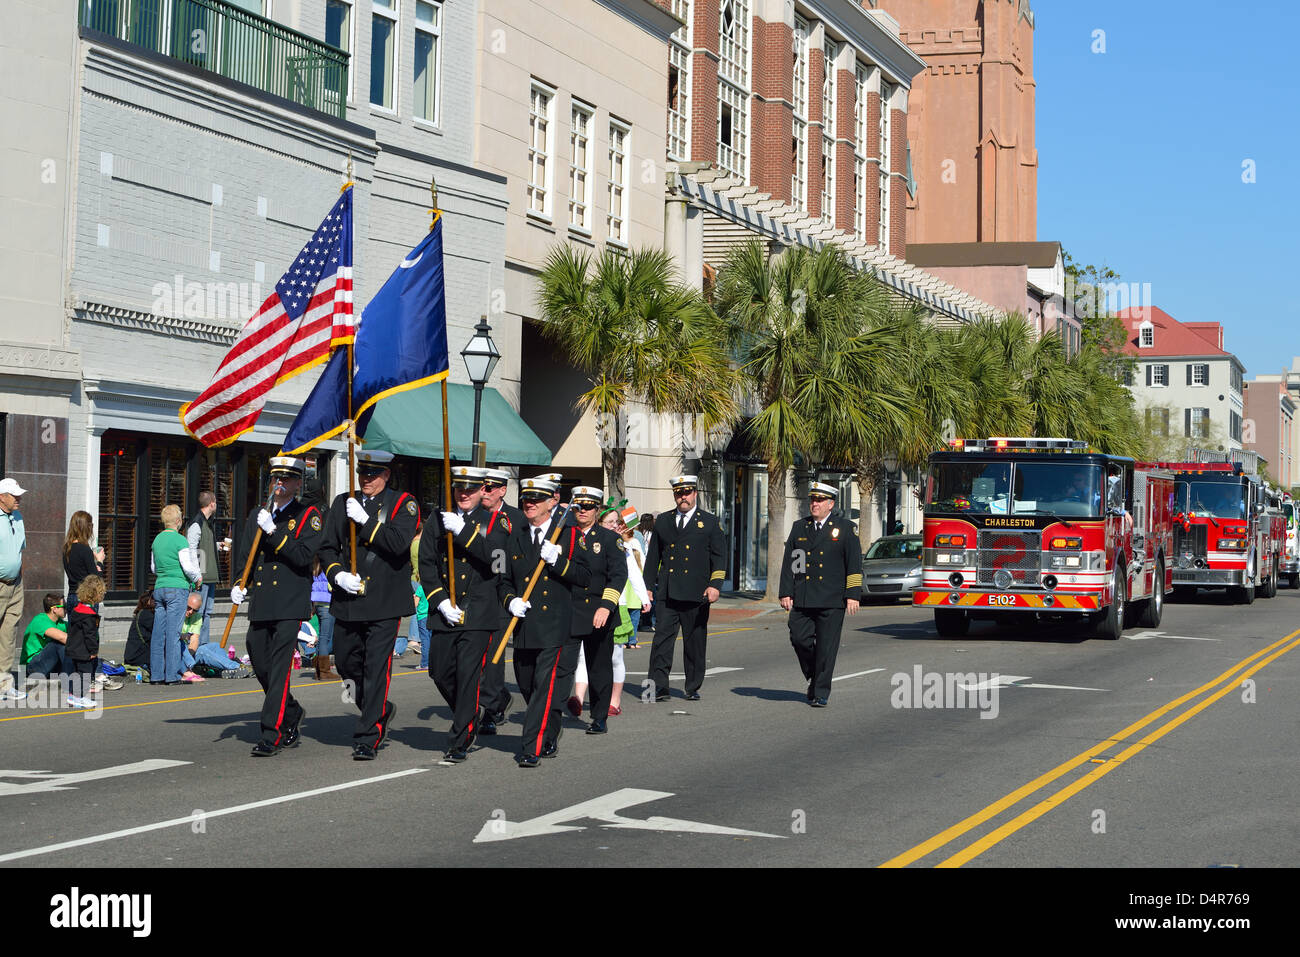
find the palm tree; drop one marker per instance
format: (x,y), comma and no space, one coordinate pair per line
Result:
(640,336)
(798,327)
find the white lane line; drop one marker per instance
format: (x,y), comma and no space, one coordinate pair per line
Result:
(709,673)
(191,818)
(858,674)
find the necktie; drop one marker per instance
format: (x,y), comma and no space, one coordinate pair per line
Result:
(681,520)
(537,537)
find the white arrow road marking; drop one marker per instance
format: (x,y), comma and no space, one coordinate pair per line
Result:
(52,781)
(1014,681)
(858,674)
(1160,634)
(605,809)
(708,674)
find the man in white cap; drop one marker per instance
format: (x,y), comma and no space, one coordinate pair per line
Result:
(821,578)
(278,592)
(539,642)
(461,629)
(493,696)
(368,605)
(686,565)
(13,541)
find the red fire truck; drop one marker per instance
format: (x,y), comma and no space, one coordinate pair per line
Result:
(1043,526)
(1226,532)
(1290,566)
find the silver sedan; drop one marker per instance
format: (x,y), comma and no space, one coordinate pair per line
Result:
(891,568)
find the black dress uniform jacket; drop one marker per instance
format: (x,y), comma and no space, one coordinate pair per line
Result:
(608,564)
(383,556)
(829,564)
(550,619)
(481,547)
(279,587)
(686,561)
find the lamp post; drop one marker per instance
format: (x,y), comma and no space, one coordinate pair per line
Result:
(890,462)
(480,355)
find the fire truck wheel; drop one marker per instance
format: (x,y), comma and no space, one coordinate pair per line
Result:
(1270,587)
(1153,608)
(1295,580)
(951,624)
(1243,595)
(1110,624)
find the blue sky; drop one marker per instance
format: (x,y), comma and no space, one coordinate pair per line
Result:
(1140,153)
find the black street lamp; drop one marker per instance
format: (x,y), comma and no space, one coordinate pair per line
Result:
(480,356)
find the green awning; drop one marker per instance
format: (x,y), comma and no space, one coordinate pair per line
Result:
(410,423)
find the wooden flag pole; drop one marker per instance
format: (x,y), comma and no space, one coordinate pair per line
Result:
(248,569)
(537,572)
(446,435)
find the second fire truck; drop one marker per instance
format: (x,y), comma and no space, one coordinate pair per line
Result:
(1039,526)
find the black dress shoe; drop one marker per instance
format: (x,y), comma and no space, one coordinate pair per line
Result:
(550,750)
(818,702)
(499,717)
(363,752)
(456,755)
(527,760)
(663,696)
(263,750)
(486,724)
(292,737)
(597,727)
(693,696)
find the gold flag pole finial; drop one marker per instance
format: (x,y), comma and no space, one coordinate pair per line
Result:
(344,187)
(433,192)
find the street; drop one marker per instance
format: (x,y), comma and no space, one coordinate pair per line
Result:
(1003,757)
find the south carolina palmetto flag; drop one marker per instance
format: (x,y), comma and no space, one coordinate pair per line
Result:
(309,314)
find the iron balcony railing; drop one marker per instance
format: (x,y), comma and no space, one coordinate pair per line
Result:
(223,39)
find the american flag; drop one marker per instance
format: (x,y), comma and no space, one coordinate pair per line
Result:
(309,313)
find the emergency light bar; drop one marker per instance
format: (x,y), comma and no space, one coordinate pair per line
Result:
(1008,443)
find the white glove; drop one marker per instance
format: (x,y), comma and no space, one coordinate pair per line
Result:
(238,595)
(307,633)
(449,611)
(550,552)
(518,607)
(452,522)
(356,512)
(265,522)
(349,582)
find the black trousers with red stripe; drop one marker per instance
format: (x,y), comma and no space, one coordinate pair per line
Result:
(545,678)
(363,655)
(270,651)
(598,652)
(455,664)
(492,685)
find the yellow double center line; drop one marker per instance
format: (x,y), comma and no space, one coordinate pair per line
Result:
(1224,683)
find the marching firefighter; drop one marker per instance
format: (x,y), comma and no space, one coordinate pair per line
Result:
(278,593)
(821,578)
(686,564)
(369,605)
(461,628)
(544,673)
(492,685)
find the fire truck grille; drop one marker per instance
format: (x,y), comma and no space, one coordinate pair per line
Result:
(1016,552)
(1190,542)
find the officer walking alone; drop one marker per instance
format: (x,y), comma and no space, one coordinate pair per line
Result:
(492,685)
(821,578)
(686,564)
(278,593)
(368,606)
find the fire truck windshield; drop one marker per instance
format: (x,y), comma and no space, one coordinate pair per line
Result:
(1040,488)
(1212,499)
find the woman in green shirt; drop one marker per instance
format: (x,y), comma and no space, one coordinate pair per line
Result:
(173,563)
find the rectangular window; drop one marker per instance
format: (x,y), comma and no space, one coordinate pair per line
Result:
(1234,425)
(617,218)
(1159,374)
(117,525)
(861,77)
(1197,424)
(383,53)
(1158,421)
(541,101)
(428,59)
(580,166)
(799,138)
(679,84)
(338,32)
(1198,373)
(733,87)
(829,51)
(886,92)
(1148,337)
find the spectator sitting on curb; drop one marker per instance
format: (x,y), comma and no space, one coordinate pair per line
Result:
(205,655)
(45,640)
(141,633)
